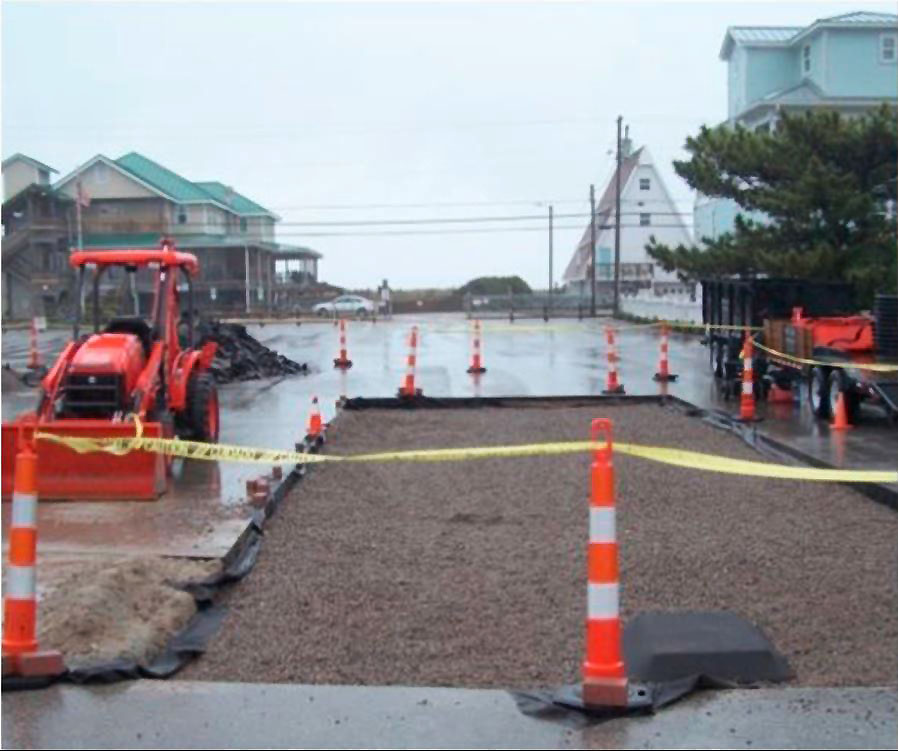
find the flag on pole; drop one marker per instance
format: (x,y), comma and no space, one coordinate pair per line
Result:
(82,195)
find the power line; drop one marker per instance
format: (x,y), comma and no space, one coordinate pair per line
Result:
(462,204)
(434,204)
(466,231)
(459,220)
(444,220)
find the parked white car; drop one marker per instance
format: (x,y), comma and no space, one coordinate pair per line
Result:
(346,304)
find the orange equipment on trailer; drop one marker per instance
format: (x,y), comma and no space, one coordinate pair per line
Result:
(129,366)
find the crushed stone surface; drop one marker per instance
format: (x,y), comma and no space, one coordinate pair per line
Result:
(97,610)
(473,573)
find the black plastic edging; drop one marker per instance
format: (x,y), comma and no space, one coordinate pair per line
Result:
(779,450)
(190,641)
(456,402)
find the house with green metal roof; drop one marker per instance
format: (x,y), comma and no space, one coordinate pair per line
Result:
(133,201)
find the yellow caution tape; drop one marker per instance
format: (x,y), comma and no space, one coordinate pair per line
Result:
(499,324)
(676,457)
(877,367)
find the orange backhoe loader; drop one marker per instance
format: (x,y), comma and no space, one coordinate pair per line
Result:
(131,366)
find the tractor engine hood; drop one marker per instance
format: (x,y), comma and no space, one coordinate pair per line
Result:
(111,353)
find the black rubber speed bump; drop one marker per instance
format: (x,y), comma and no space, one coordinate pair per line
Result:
(722,646)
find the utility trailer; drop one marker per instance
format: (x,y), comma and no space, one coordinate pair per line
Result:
(809,320)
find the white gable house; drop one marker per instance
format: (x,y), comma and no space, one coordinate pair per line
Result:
(646,210)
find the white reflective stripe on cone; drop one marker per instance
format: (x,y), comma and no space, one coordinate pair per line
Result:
(21,582)
(24,510)
(602,524)
(747,387)
(602,601)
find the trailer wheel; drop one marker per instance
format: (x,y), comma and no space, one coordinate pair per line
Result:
(818,392)
(839,383)
(202,407)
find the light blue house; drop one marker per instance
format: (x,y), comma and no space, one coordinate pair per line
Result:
(847,63)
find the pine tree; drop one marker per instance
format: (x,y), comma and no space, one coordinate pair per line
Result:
(817,194)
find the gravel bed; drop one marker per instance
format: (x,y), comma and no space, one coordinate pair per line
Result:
(473,573)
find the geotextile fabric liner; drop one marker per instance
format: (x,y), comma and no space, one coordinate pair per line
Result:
(669,655)
(182,647)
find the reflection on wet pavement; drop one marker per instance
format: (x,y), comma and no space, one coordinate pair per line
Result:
(527,358)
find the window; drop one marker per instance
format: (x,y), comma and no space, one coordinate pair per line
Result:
(887,48)
(645,220)
(182,215)
(645,183)
(806,58)
(242,225)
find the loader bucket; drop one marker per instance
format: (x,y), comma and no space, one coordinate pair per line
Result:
(64,474)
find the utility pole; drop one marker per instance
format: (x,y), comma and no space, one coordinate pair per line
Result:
(550,255)
(246,272)
(592,250)
(79,202)
(617,223)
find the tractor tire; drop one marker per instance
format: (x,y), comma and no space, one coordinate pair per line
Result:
(202,408)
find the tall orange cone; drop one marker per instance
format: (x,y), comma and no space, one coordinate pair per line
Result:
(35,361)
(407,389)
(664,373)
(604,672)
(840,419)
(612,385)
(343,360)
(314,427)
(20,648)
(476,362)
(747,399)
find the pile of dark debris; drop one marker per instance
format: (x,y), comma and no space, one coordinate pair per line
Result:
(242,357)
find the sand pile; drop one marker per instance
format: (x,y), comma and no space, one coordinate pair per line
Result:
(97,611)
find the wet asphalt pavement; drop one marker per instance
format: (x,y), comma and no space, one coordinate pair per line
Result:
(179,714)
(204,513)
(205,509)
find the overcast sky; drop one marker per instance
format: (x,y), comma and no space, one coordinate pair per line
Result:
(500,108)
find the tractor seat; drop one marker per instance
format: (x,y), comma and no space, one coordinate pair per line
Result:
(133,325)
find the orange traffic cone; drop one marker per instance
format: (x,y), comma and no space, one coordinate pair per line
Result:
(840,419)
(314,427)
(407,389)
(604,671)
(476,360)
(664,373)
(343,360)
(612,385)
(747,398)
(20,648)
(35,361)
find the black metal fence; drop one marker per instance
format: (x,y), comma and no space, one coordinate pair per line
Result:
(534,305)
